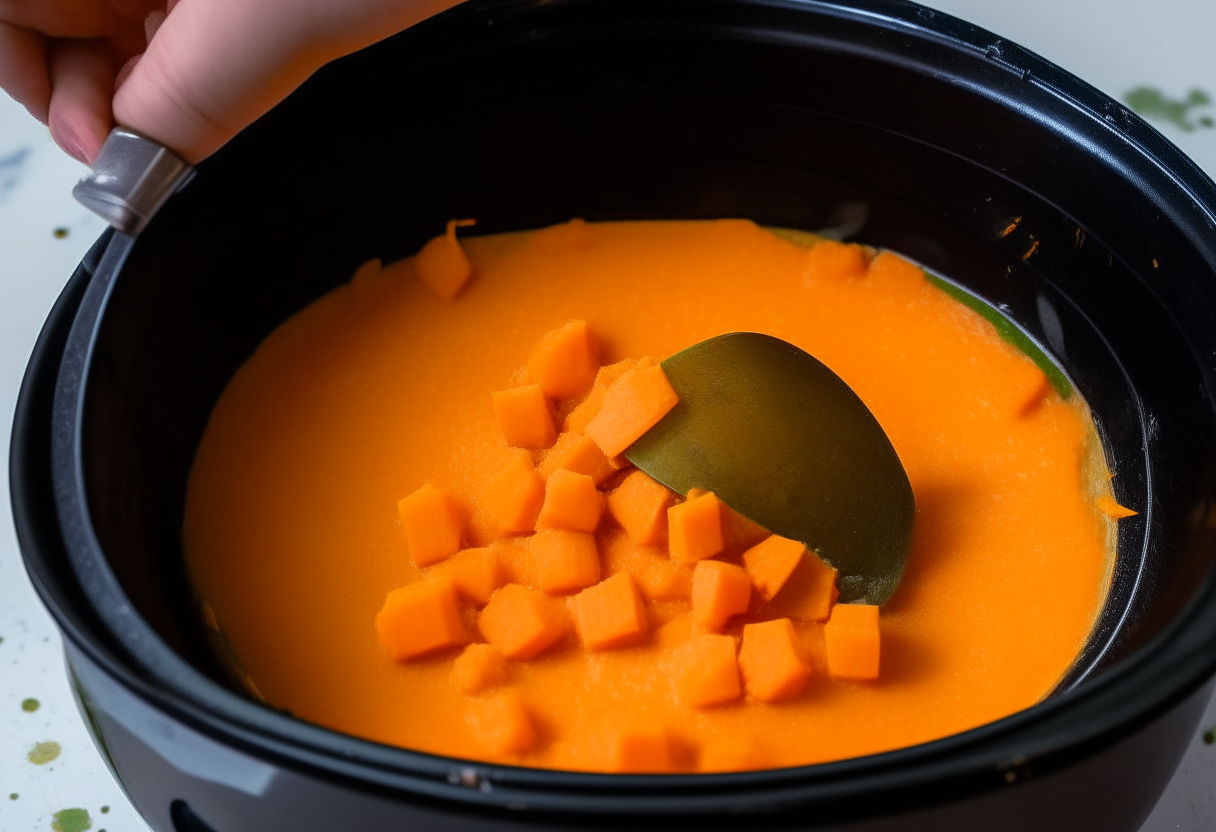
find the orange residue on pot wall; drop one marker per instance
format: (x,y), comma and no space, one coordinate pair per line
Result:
(293,539)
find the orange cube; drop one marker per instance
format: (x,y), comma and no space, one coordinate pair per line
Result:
(708,673)
(421,618)
(640,505)
(578,453)
(521,622)
(524,417)
(640,749)
(808,593)
(565,360)
(771,562)
(719,590)
(571,503)
(442,265)
(516,496)
(632,406)
(577,420)
(772,661)
(478,667)
(852,641)
(432,522)
(475,573)
(656,576)
(694,529)
(609,614)
(731,754)
(503,726)
(564,561)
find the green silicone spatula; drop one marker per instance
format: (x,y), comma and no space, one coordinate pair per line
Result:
(783,440)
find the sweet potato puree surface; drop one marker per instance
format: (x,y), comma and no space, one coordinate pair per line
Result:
(292,535)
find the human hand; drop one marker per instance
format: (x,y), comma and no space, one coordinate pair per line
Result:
(189,74)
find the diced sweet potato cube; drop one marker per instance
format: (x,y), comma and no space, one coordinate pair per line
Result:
(640,505)
(577,420)
(503,726)
(578,453)
(694,529)
(609,614)
(709,672)
(657,576)
(565,360)
(808,594)
(478,667)
(772,662)
(516,495)
(521,622)
(852,640)
(738,532)
(640,749)
(719,590)
(432,522)
(475,573)
(421,618)
(564,561)
(731,754)
(632,406)
(831,259)
(771,562)
(524,417)
(442,265)
(571,502)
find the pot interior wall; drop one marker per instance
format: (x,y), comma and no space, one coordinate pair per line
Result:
(619,110)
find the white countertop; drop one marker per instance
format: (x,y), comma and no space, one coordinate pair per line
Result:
(1163,48)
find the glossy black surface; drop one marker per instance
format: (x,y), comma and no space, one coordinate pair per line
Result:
(794,114)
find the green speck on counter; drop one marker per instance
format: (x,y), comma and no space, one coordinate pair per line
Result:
(44,752)
(71,820)
(1209,736)
(13,796)
(30,705)
(1152,103)
(105,809)
(60,233)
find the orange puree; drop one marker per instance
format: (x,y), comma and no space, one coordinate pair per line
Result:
(382,390)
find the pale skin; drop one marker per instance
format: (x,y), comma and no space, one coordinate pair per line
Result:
(190,74)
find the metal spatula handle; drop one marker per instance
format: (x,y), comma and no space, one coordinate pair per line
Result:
(131,179)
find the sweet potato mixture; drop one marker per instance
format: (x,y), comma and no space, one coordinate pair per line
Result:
(410,519)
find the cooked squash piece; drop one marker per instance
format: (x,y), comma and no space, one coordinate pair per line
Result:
(772,662)
(421,618)
(521,622)
(564,561)
(656,576)
(609,614)
(640,505)
(632,406)
(578,418)
(731,754)
(640,750)
(771,562)
(694,529)
(719,590)
(475,573)
(524,417)
(479,667)
(442,265)
(433,525)
(709,672)
(516,495)
(808,594)
(578,453)
(503,725)
(564,361)
(851,637)
(571,502)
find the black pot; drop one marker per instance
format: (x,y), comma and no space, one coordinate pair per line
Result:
(967,153)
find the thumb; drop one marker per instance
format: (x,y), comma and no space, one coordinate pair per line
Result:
(214,66)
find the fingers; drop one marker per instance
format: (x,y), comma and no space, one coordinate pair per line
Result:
(23,69)
(82,82)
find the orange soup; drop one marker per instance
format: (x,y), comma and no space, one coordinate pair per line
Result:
(294,539)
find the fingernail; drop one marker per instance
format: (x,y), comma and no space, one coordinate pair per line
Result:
(72,146)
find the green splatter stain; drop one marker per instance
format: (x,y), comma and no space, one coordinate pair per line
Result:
(13,796)
(44,752)
(60,233)
(1209,736)
(30,705)
(105,809)
(1152,103)
(71,820)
